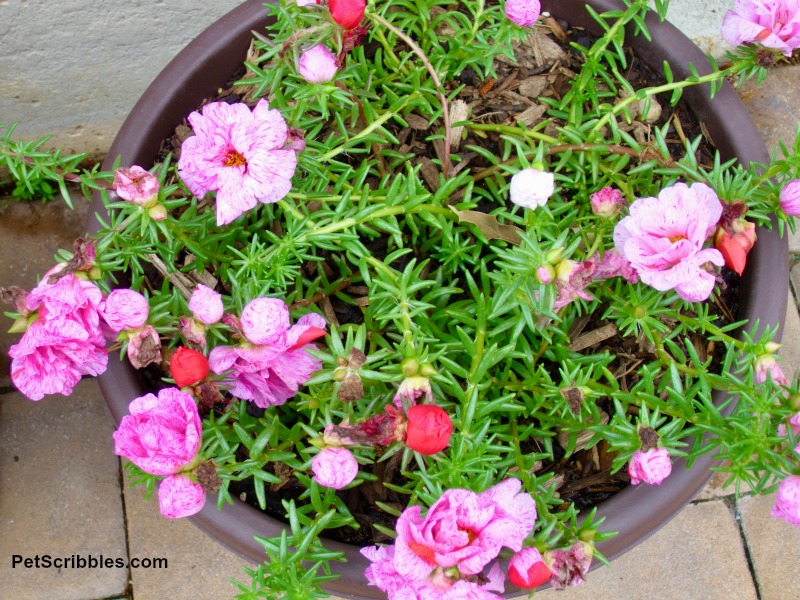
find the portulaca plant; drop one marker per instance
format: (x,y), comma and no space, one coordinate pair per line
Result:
(357,279)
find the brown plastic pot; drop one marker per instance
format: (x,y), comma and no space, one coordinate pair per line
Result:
(637,512)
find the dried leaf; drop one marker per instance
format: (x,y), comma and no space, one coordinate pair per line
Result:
(459,111)
(489,226)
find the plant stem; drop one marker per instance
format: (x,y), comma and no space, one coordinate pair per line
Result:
(435,76)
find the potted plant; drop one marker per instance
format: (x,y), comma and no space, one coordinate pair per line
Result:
(441,286)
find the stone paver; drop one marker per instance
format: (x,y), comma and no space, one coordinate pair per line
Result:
(59,496)
(696,556)
(198,566)
(774,547)
(31,234)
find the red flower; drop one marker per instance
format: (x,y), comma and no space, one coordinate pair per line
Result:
(527,570)
(347,13)
(735,243)
(188,366)
(428,429)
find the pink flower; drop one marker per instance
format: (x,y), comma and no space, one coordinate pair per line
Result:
(571,280)
(787,501)
(772,23)
(663,239)
(144,347)
(193,331)
(526,569)
(524,13)
(179,497)
(44,362)
(206,305)
(607,202)
(162,434)
(239,154)
(137,185)
(531,188)
(124,309)
(613,264)
(69,307)
(652,467)
(794,425)
(790,198)
(569,567)
(334,467)
(317,65)
(440,585)
(463,529)
(273,363)
(766,365)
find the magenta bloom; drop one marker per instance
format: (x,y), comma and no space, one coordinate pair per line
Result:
(440,585)
(124,309)
(65,342)
(790,198)
(663,239)
(463,529)
(317,65)
(179,496)
(162,434)
(772,23)
(238,154)
(334,467)
(787,501)
(137,185)
(273,363)
(524,13)
(607,202)
(69,307)
(44,362)
(206,305)
(652,467)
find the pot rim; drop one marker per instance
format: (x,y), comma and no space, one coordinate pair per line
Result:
(638,511)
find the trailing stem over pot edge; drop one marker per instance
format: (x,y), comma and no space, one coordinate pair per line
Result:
(473,280)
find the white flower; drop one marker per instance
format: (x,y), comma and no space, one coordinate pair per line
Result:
(532,188)
(317,65)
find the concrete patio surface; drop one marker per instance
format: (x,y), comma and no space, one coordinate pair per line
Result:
(62,491)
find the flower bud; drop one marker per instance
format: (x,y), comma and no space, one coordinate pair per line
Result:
(206,305)
(137,185)
(766,365)
(334,467)
(179,496)
(317,65)
(569,567)
(652,467)
(545,274)
(734,244)
(526,569)
(347,13)
(124,309)
(531,188)
(157,212)
(428,429)
(524,13)
(188,367)
(553,256)
(790,198)
(607,202)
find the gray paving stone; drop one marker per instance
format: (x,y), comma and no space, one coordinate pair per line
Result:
(774,105)
(30,235)
(198,566)
(59,495)
(774,547)
(696,556)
